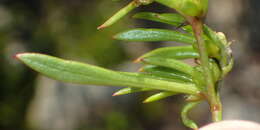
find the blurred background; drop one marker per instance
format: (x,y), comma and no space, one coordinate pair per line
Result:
(67,29)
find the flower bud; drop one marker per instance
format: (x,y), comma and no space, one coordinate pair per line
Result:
(195,8)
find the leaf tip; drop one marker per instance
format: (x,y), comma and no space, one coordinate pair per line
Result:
(115,36)
(157,15)
(120,92)
(146,101)
(19,56)
(115,94)
(141,70)
(138,60)
(101,27)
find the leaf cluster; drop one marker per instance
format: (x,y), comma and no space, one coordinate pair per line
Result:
(164,70)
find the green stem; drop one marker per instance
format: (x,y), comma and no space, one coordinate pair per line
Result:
(213,98)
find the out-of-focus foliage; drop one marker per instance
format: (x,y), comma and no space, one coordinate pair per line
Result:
(64,28)
(68,29)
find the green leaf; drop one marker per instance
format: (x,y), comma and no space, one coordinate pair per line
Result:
(75,72)
(178,52)
(121,13)
(167,73)
(228,68)
(216,72)
(168,18)
(195,8)
(152,35)
(125,91)
(170,63)
(188,29)
(157,72)
(184,115)
(124,11)
(199,79)
(158,96)
(225,56)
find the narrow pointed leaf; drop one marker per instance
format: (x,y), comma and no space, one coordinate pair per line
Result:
(125,91)
(188,29)
(199,79)
(216,72)
(158,96)
(178,52)
(168,18)
(75,72)
(152,35)
(157,72)
(184,115)
(170,63)
(121,13)
(168,73)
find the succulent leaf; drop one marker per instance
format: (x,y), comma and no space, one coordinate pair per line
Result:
(121,13)
(169,63)
(75,72)
(152,35)
(125,91)
(178,52)
(168,73)
(158,96)
(184,115)
(168,18)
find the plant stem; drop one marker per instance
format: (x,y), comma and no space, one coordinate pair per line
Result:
(212,95)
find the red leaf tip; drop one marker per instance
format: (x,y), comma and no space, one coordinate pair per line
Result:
(17,56)
(101,27)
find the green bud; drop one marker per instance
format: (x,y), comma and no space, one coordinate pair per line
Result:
(195,8)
